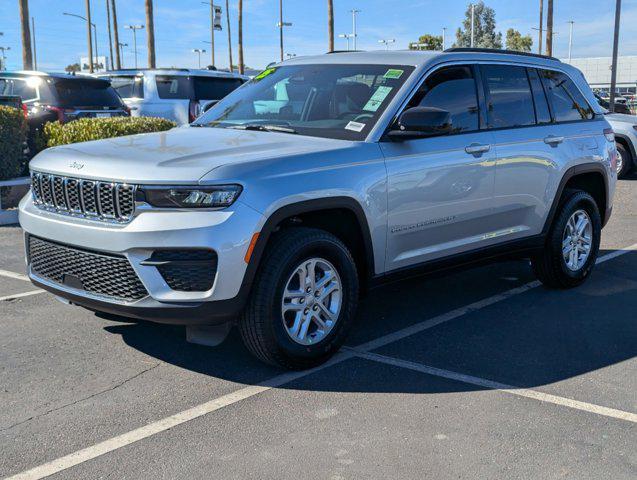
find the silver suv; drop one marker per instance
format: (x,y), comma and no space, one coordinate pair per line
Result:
(178,94)
(321,178)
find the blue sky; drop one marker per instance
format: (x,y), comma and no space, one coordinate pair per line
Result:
(182,25)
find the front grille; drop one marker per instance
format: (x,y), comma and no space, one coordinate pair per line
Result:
(186,270)
(98,273)
(106,201)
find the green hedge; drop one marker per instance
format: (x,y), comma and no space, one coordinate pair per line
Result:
(87,129)
(13,136)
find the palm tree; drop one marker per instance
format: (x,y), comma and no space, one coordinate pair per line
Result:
(229,36)
(330,25)
(150,33)
(27,57)
(240,35)
(89,37)
(118,61)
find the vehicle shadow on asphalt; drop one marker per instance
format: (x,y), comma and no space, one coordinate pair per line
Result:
(536,338)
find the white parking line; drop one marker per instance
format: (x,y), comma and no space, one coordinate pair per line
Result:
(8,298)
(167,423)
(484,383)
(17,276)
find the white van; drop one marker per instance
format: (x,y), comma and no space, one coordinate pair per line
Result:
(176,94)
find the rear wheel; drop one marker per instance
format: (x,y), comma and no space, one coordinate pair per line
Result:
(303,301)
(624,161)
(572,244)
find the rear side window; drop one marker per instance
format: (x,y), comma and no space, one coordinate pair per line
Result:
(85,93)
(174,87)
(509,98)
(19,88)
(452,89)
(128,86)
(212,88)
(567,101)
(539,97)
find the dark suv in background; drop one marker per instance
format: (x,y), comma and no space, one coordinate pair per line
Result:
(63,97)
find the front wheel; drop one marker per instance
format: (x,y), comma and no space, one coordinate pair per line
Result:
(573,243)
(303,301)
(624,161)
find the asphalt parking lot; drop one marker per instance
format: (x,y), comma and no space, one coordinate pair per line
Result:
(478,374)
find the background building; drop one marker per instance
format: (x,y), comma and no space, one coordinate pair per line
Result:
(597,72)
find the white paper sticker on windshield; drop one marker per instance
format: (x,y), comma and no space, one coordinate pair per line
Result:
(379,95)
(355,126)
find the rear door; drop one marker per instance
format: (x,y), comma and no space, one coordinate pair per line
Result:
(530,150)
(440,189)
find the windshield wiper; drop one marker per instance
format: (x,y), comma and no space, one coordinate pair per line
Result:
(264,128)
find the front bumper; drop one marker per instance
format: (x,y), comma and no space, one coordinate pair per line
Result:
(227,232)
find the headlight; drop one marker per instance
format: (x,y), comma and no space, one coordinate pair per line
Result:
(218,196)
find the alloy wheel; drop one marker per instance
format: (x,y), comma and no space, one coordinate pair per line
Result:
(577,240)
(311,301)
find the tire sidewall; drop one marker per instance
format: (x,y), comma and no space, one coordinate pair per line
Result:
(579,201)
(339,257)
(626,158)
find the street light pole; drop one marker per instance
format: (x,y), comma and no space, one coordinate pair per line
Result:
(281,24)
(212,31)
(90,24)
(121,46)
(346,36)
(386,42)
(613,72)
(354,35)
(199,51)
(35,53)
(134,28)
(444,38)
(570,40)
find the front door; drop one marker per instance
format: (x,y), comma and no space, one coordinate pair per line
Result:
(440,189)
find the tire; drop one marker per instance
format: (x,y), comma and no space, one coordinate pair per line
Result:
(627,161)
(265,328)
(550,266)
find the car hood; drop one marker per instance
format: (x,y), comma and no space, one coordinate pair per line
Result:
(180,155)
(621,117)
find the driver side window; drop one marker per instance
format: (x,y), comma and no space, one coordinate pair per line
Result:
(452,89)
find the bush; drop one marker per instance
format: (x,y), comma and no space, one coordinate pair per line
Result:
(87,129)
(13,136)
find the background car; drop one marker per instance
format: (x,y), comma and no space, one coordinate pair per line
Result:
(176,94)
(625,128)
(621,105)
(63,97)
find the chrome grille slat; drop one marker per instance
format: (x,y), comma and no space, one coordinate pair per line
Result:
(106,201)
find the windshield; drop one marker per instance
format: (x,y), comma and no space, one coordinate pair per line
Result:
(326,100)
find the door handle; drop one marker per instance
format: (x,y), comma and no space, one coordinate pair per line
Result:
(477,148)
(553,140)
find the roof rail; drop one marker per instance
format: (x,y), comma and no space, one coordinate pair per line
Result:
(501,51)
(344,51)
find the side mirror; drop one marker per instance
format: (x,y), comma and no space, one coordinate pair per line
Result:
(421,122)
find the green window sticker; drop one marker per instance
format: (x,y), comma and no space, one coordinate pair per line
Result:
(393,73)
(265,73)
(377,99)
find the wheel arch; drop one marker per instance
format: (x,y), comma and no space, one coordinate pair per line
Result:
(319,213)
(626,143)
(590,177)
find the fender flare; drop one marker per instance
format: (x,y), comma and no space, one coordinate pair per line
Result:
(298,208)
(592,167)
